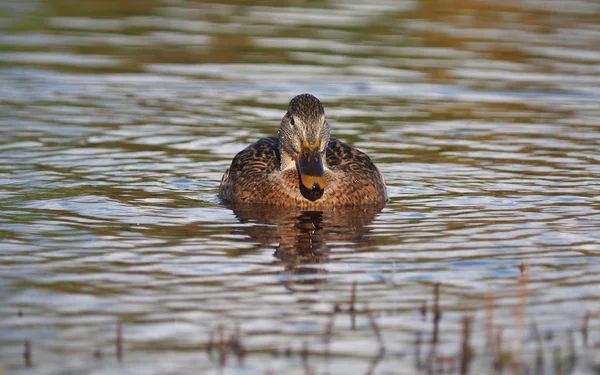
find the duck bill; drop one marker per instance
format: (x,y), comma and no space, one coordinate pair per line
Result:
(312,172)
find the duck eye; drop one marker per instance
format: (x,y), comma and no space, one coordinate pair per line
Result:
(292,122)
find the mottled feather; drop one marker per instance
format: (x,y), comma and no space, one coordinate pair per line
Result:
(255,177)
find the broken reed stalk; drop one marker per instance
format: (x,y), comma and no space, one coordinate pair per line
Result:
(498,357)
(375,328)
(572,352)
(585,328)
(436,312)
(308,370)
(119,341)
(220,338)
(236,346)
(465,356)
(304,353)
(374,362)
(436,321)
(329,330)
(524,281)
(423,311)
(489,321)
(211,344)
(353,306)
(221,345)
(27,353)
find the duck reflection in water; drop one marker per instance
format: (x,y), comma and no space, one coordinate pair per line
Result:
(303,240)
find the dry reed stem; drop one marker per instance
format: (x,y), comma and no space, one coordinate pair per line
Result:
(436,312)
(353,306)
(329,330)
(304,353)
(489,321)
(521,309)
(572,351)
(499,360)
(211,344)
(221,345)
(27,353)
(374,362)
(466,353)
(585,328)
(119,341)
(375,328)
(235,344)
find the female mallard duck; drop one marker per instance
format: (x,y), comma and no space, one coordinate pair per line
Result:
(303,167)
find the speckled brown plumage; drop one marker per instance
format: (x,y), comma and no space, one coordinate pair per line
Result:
(256,175)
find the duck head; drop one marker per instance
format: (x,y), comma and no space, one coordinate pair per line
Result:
(303,138)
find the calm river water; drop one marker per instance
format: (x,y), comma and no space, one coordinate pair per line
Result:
(120,117)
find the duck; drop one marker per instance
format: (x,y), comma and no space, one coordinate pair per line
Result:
(303,167)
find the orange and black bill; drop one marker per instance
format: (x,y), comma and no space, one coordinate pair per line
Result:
(312,173)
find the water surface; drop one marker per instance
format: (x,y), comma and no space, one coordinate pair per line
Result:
(119,120)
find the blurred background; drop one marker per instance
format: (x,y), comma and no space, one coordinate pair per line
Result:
(120,117)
